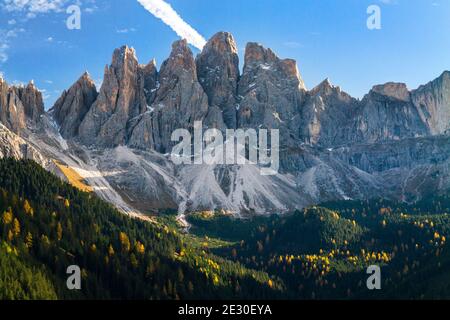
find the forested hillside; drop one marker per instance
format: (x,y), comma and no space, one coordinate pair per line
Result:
(47,225)
(317,253)
(323,252)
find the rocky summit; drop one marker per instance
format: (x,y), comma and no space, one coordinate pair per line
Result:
(393,143)
(71,108)
(19,105)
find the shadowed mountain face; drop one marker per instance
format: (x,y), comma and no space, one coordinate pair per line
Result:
(19,105)
(72,106)
(391,144)
(218,73)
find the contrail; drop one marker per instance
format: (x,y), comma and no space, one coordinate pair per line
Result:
(169,16)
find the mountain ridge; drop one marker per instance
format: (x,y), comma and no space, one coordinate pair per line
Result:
(261,95)
(333,145)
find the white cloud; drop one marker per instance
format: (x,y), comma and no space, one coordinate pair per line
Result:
(91,9)
(34,6)
(31,8)
(13,32)
(126,30)
(3,52)
(5,38)
(292,44)
(164,11)
(23,10)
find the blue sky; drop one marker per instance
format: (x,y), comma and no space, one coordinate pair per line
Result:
(328,38)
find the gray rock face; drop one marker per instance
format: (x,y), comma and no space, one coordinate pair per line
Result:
(218,73)
(150,76)
(19,105)
(394,143)
(12,146)
(409,169)
(12,113)
(31,99)
(433,104)
(406,154)
(139,107)
(180,99)
(332,118)
(327,116)
(121,98)
(387,113)
(142,135)
(397,91)
(271,93)
(71,108)
(141,127)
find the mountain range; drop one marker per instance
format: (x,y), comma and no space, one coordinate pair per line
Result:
(393,144)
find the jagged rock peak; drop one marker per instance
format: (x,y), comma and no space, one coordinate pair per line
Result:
(32,101)
(433,102)
(393,90)
(150,76)
(326,83)
(255,53)
(218,62)
(70,109)
(12,113)
(444,76)
(149,67)
(325,88)
(86,77)
(221,42)
(84,81)
(151,64)
(122,54)
(290,68)
(124,62)
(18,104)
(442,80)
(218,73)
(180,57)
(180,101)
(256,56)
(121,98)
